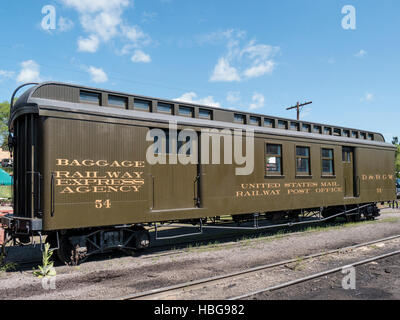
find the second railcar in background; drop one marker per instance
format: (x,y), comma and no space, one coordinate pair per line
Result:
(83,178)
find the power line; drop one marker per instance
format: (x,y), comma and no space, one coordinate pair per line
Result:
(298,107)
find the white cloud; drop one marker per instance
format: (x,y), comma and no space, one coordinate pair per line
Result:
(97,75)
(240,62)
(224,72)
(102,21)
(361,53)
(368,97)
(233,96)
(65,24)
(260,69)
(133,33)
(258,101)
(90,44)
(148,17)
(30,72)
(140,56)
(91,6)
(190,97)
(6,74)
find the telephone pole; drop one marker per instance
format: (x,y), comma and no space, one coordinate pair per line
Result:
(298,106)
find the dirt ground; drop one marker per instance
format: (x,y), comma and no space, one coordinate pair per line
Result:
(116,275)
(378,280)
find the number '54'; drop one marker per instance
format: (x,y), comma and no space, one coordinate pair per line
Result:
(99,204)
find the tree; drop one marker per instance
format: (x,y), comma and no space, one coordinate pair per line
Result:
(397,158)
(4,116)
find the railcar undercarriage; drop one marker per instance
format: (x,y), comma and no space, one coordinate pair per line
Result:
(75,246)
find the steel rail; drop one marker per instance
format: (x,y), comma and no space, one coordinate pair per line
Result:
(169,289)
(316,275)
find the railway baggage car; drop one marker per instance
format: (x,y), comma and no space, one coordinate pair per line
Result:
(93,168)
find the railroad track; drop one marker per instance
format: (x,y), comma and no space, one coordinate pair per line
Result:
(316,275)
(177,290)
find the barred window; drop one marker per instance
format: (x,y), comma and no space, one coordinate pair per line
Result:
(303,161)
(273,159)
(327,162)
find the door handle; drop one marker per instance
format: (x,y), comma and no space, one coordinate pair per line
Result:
(52,195)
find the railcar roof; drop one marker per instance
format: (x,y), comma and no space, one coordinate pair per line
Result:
(67,96)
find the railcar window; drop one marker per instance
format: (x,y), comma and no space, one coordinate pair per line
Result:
(354,134)
(305,127)
(363,135)
(294,126)
(186,111)
(255,121)
(273,159)
(268,123)
(282,124)
(205,113)
(370,136)
(118,101)
(142,105)
(164,108)
(303,161)
(346,133)
(240,118)
(317,129)
(91,97)
(327,162)
(337,132)
(328,130)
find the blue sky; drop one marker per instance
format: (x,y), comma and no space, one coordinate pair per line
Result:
(258,55)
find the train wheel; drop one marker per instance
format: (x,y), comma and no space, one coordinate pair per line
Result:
(65,252)
(52,240)
(142,237)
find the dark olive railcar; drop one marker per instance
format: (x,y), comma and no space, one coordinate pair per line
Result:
(81,169)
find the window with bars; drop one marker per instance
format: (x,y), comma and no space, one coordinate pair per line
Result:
(303,161)
(327,162)
(273,160)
